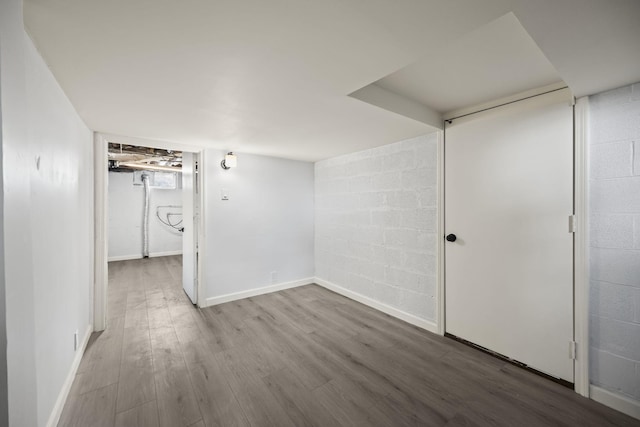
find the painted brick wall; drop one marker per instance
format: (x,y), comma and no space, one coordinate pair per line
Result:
(614,180)
(376,222)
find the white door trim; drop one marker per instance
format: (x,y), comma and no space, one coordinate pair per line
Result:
(440,293)
(503,101)
(101,243)
(581,248)
(101,217)
(201,266)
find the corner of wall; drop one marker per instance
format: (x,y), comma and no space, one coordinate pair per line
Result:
(380,306)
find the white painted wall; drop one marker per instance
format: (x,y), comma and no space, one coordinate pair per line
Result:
(375,224)
(61,207)
(614,180)
(126,206)
(265,226)
(17,162)
(48,201)
(4,399)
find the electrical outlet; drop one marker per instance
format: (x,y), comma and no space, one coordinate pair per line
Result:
(75,340)
(274,277)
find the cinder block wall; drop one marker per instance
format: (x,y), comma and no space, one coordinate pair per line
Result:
(614,179)
(376,222)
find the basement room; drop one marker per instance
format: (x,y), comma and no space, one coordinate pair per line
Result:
(334,213)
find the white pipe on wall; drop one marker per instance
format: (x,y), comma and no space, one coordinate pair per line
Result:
(145,219)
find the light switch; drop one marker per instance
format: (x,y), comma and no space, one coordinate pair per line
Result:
(224,194)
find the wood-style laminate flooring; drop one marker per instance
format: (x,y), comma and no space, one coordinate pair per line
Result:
(300,357)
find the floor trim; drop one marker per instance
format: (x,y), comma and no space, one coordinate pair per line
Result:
(151,255)
(56,412)
(391,311)
(615,401)
(256,291)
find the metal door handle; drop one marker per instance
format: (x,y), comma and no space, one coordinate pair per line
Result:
(451,237)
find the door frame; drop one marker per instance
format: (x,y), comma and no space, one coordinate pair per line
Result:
(581,246)
(580,253)
(101,217)
(198,237)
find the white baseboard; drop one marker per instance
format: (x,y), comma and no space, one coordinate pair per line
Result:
(391,311)
(615,401)
(256,291)
(138,256)
(409,318)
(54,418)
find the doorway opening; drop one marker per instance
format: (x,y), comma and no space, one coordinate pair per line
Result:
(148,213)
(144,202)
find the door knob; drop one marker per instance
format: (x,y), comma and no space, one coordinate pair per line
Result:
(451,237)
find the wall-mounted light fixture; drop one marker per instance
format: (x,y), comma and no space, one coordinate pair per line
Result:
(230,161)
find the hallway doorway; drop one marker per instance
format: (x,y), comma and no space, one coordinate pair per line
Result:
(145,208)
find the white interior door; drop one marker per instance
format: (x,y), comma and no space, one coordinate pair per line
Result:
(189,221)
(508,198)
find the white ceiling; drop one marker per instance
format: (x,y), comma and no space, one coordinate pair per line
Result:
(272,77)
(594,44)
(494,61)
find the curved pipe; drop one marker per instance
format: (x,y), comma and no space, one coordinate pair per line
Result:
(145,219)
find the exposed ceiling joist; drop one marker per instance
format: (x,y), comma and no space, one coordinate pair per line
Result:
(124,157)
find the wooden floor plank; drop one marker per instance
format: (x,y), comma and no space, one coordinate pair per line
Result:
(95,379)
(298,401)
(104,350)
(217,402)
(258,405)
(136,317)
(166,351)
(300,357)
(145,415)
(136,383)
(298,354)
(349,411)
(159,317)
(96,408)
(177,404)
